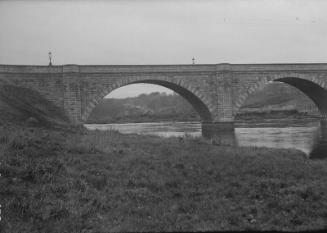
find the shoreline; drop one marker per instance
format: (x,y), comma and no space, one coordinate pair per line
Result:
(252,117)
(237,123)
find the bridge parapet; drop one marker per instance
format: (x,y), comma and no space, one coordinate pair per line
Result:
(222,67)
(148,69)
(71,69)
(278,67)
(20,69)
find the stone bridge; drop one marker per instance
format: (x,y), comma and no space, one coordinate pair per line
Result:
(216,91)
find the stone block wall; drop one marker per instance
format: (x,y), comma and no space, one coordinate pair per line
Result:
(96,86)
(218,89)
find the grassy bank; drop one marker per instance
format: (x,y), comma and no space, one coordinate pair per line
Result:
(60,181)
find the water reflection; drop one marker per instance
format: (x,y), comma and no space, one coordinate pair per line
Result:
(162,129)
(310,138)
(301,138)
(319,150)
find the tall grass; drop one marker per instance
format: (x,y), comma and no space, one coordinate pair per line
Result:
(94,181)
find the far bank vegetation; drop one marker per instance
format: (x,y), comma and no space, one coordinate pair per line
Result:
(275,101)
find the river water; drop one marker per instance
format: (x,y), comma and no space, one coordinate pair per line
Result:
(306,137)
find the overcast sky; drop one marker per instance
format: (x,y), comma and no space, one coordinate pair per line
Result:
(162,32)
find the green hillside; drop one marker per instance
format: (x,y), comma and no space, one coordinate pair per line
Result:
(24,106)
(280,96)
(153,107)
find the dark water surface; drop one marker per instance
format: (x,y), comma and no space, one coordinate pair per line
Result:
(307,137)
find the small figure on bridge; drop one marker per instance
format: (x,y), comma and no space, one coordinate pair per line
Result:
(193,61)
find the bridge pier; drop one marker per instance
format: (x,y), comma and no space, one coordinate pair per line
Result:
(323,124)
(320,148)
(221,133)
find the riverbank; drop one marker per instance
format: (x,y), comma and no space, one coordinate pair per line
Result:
(243,117)
(275,115)
(92,181)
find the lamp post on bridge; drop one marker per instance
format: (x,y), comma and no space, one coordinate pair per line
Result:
(50,57)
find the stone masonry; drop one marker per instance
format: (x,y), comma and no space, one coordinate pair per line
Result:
(216,91)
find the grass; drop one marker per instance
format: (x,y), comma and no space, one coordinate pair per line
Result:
(60,181)
(21,106)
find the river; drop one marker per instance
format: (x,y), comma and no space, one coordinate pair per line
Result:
(306,137)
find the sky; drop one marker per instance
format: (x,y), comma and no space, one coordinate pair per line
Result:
(123,32)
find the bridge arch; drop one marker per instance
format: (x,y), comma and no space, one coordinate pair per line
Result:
(199,102)
(312,87)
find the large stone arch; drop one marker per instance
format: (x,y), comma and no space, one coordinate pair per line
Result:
(199,102)
(311,86)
